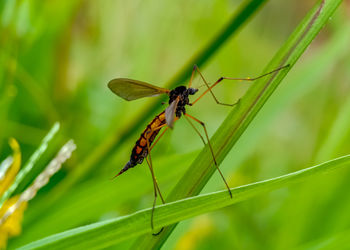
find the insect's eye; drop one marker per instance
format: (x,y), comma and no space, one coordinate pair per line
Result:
(192,91)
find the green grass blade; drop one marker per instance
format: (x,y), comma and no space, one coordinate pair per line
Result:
(88,201)
(33,159)
(237,121)
(112,142)
(108,233)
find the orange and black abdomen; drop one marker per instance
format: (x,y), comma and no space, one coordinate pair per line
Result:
(140,150)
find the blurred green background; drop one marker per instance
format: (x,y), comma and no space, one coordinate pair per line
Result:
(58,56)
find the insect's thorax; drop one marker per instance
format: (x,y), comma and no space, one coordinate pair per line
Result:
(182,92)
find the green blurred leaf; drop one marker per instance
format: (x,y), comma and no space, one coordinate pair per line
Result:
(338,241)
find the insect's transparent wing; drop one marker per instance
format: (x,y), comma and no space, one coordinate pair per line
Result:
(170,113)
(129,89)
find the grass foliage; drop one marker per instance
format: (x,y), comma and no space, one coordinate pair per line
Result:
(110,232)
(56,59)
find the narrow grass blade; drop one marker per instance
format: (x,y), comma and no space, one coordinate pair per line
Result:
(108,233)
(237,121)
(41,180)
(306,80)
(33,159)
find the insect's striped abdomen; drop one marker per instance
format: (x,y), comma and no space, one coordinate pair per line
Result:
(140,151)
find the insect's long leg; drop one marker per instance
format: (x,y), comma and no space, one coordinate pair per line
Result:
(156,190)
(209,89)
(211,150)
(149,160)
(229,78)
(155,182)
(154,179)
(189,121)
(155,194)
(192,75)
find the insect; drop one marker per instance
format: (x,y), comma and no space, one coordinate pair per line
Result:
(129,90)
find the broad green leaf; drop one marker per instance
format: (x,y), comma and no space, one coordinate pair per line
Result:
(97,197)
(110,232)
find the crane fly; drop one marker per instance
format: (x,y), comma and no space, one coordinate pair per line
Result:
(129,90)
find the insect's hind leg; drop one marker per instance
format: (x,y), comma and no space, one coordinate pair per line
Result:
(156,190)
(192,75)
(149,148)
(210,147)
(155,183)
(195,129)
